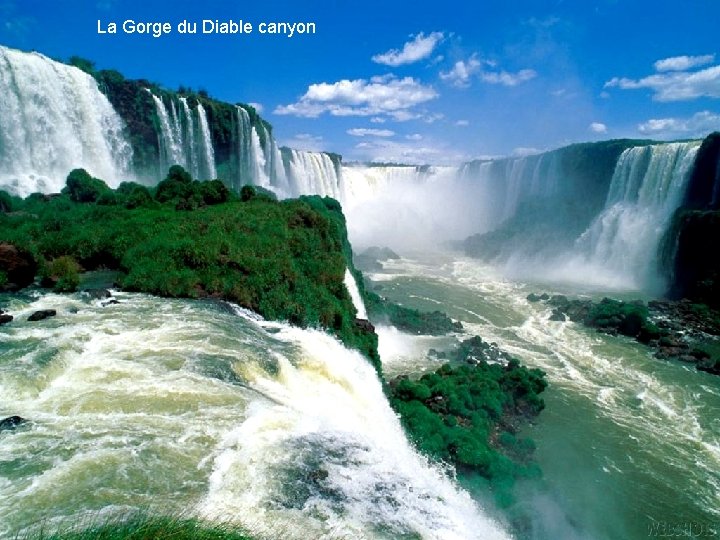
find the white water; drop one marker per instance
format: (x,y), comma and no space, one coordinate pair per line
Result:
(187,406)
(207,148)
(352,288)
(185,138)
(622,243)
(54,119)
(313,173)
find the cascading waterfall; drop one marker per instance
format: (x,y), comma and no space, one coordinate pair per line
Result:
(648,185)
(55,119)
(313,173)
(185,138)
(258,161)
(189,124)
(352,288)
(208,153)
(195,408)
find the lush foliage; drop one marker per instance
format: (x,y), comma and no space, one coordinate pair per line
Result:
(435,323)
(468,415)
(285,260)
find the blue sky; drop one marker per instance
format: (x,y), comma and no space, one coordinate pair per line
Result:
(419,82)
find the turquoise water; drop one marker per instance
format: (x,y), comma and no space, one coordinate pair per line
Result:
(628,444)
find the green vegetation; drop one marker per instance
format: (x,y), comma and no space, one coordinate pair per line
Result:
(468,415)
(145,527)
(284,260)
(435,323)
(628,318)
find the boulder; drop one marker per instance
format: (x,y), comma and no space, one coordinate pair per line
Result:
(365,325)
(42,314)
(98,294)
(11,422)
(5,318)
(18,266)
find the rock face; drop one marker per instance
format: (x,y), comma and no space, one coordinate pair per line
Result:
(11,422)
(5,318)
(18,266)
(42,314)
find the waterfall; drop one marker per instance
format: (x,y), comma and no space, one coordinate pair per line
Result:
(171,145)
(185,138)
(258,161)
(213,412)
(352,288)
(313,173)
(53,118)
(647,186)
(208,153)
(189,137)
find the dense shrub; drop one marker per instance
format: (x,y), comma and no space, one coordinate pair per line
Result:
(468,415)
(83,188)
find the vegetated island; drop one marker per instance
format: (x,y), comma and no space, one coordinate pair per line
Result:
(285,260)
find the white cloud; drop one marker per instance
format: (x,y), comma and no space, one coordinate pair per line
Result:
(387,95)
(508,79)
(698,125)
(411,152)
(462,72)
(414,137)
(598,127)
(418,48)
(683,63)
(524,151)
(369,132)
(257,106)
(675,85)
(305,141)
(462,123)
(377,120)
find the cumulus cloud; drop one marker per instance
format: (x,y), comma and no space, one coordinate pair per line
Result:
(257,106)
(697,125)
(386,95)
(673,81)
(305,141)
(414,137)
(410,151)
(421,46)
(683,63)
(598,127)
(370,132)
(462,72)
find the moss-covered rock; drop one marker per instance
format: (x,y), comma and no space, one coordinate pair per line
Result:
(283,259)
(468,415)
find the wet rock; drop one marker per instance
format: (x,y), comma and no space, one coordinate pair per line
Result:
(42,314)
(364,325)
(4,317)
(18,266)
(111,302)
(532,297)
(98,294)
(11,422)
(557,316)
